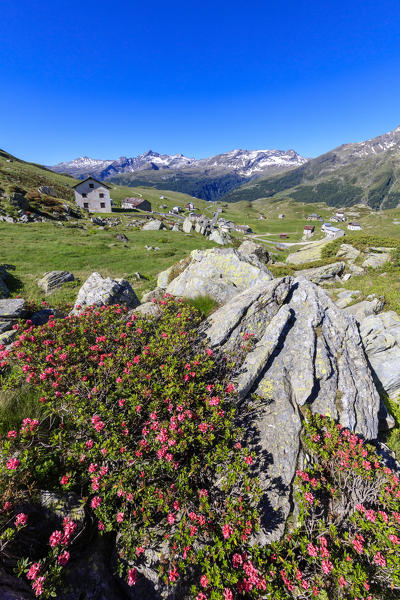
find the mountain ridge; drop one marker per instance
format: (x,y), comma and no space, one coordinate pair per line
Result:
(367,172)
(205,177)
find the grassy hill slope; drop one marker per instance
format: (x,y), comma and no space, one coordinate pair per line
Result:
(374,180)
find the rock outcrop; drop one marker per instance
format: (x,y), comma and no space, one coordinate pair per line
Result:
(249,249)
(220,238)
(99,291)
(53,280)
(307,353)
(154,225)
(220,273)
(325,273)
(381,338)
(307,254)
(11,309)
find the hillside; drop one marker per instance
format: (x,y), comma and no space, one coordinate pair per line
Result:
(367,172)
(24,178)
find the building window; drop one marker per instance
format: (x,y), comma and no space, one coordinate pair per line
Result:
(91,185)
(86,205)
(101,195)
(102,204)
(84,195)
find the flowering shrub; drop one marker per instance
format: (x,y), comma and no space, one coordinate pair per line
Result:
(137,418)
(346,542)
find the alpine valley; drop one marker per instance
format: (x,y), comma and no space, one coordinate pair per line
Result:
(366,172)
(207,178)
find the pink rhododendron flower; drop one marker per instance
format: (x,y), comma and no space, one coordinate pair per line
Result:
(63,558)
(312,551)
(379,559)
(33,571)
(56,538)
(237,560)
(327,566)
(227,531)
(132,577)
(37,585)
(20,520)
(173,575)
(96,501)
(12,464)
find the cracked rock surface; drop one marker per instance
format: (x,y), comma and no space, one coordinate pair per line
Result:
(307,353)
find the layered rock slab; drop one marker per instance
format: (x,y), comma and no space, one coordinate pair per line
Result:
(307,353)
(381,337)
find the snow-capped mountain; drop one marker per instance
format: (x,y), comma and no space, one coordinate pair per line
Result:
(246,163)
(253,162)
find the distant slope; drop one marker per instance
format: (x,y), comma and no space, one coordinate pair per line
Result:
(207,178)
(16,173)
(367,172)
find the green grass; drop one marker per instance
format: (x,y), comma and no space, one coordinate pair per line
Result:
(40,247)
(15,405)
(393,437)
(204,304)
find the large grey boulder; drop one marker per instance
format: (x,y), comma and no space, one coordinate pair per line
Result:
(375,260)
(46,189)
(325,273)
(307,353)
(99,291)
(187,226)
(219,238)
(53,280)
(365,308)
(348,251)
(153,225)
(221,273)
(249,248)
(18,199)
(381,338)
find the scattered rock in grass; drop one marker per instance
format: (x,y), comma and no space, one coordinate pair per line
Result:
(154,225)
(53,280)
(99,291)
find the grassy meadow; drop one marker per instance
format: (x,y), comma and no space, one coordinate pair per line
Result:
(40,247)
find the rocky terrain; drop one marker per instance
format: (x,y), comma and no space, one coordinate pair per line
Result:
(308,352)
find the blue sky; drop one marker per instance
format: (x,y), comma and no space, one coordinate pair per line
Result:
(106,79)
